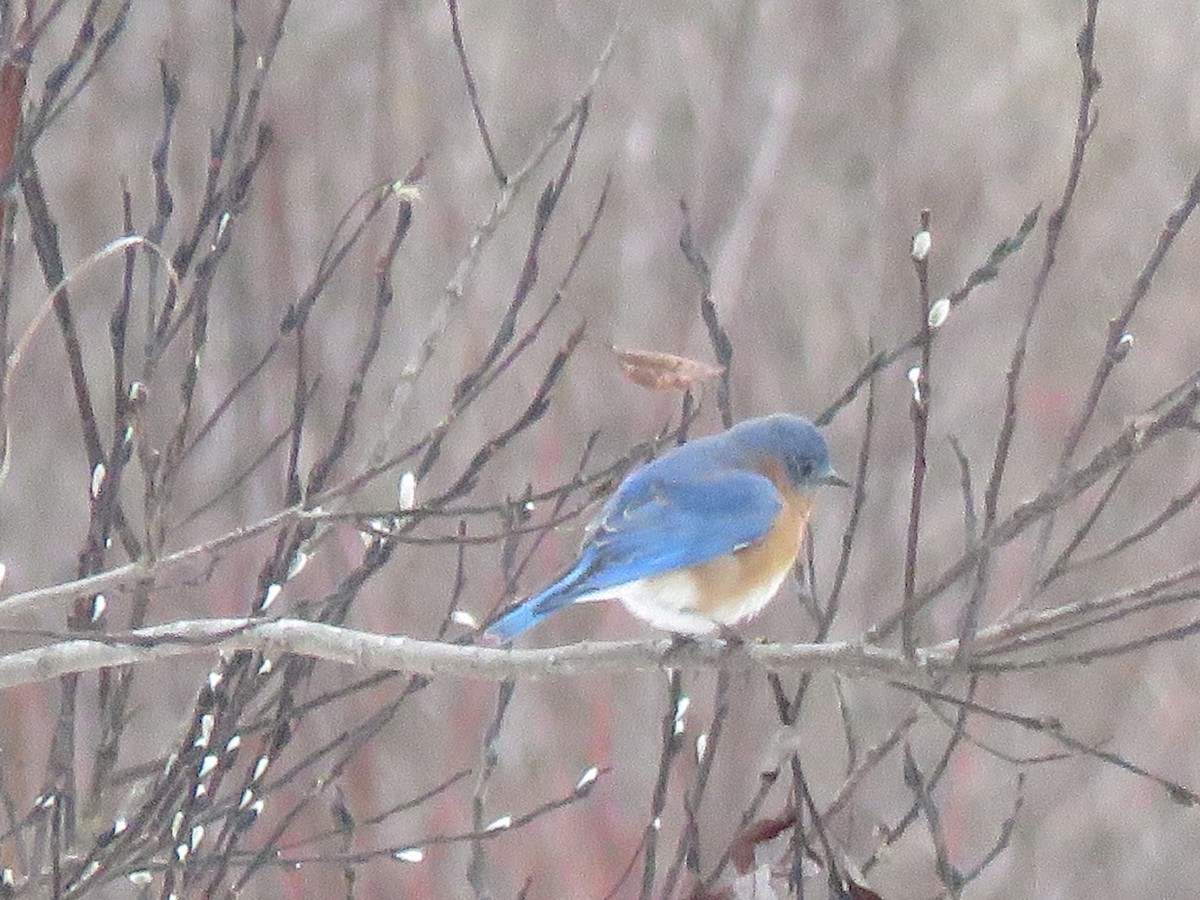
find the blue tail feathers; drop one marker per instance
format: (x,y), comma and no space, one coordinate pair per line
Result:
(513,622)
(527,614)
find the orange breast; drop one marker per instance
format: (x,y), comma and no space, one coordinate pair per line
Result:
(727,581)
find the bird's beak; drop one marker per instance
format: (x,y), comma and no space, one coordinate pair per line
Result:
(833,478)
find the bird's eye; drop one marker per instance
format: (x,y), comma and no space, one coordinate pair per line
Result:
(802,469)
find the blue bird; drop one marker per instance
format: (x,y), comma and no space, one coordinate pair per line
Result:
(701,537)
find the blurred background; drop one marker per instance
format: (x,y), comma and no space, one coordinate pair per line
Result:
(805,138)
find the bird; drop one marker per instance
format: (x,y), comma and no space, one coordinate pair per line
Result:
(701,537)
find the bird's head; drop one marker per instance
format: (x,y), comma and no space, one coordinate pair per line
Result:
(796,443)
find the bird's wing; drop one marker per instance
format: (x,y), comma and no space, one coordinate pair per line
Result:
(654,525)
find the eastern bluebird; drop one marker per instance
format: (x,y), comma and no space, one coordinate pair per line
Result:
(701,537)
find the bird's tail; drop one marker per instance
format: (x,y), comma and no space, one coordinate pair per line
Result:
(528,613)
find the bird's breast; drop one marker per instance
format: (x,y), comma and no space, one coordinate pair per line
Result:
(737,585)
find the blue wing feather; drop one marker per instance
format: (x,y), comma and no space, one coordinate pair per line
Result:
(663,517)
(667,525)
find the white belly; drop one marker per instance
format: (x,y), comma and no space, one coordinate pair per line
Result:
(669,602)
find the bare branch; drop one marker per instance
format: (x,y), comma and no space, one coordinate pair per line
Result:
(369,652)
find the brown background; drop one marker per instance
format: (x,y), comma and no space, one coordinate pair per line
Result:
(805,137)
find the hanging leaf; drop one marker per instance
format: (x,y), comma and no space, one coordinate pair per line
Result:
(663,371)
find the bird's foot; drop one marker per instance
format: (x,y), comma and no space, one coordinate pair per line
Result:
(680,641)
(730,636)
(727,636)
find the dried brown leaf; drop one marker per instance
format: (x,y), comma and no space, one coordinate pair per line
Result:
(857,892)
(757,832)
(663,371)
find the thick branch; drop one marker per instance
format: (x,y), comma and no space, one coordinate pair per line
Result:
(375,653)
